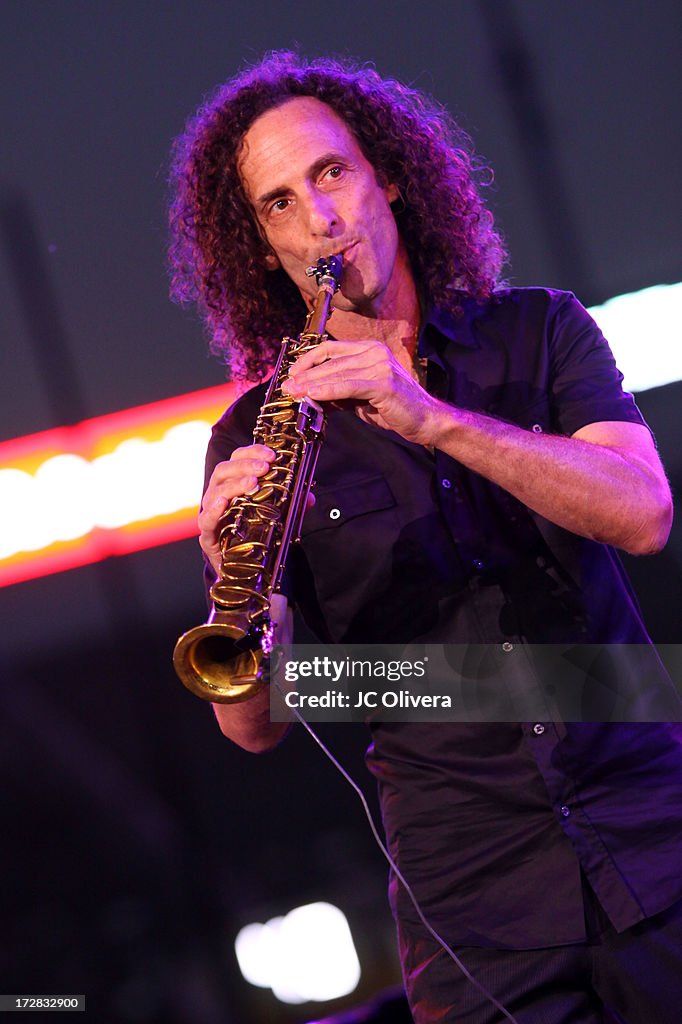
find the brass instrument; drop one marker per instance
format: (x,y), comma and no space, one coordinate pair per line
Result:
(225,660)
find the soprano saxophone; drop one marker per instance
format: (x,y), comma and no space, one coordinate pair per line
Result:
(226,659)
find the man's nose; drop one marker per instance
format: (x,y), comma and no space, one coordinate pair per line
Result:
(323,217)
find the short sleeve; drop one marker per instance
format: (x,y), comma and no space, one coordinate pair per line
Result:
(586,385)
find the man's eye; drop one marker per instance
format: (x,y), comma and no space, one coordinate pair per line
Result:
(279,206)
(334,172)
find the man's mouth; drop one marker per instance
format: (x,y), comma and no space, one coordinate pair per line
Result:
(343,251)
(347,251)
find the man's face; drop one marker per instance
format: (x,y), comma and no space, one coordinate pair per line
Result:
(315,194)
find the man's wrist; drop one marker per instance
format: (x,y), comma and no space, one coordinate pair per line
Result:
(441,424)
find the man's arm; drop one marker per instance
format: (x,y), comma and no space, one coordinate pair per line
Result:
(247,723)
(605,482)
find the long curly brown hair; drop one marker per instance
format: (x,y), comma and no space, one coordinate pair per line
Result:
(217,253)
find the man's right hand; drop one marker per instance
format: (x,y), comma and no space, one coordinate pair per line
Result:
(229,480)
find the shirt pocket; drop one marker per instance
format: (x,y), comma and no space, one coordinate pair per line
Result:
(348,539)
(336,506)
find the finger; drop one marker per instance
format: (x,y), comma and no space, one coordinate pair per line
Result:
(226,472)
(336,389)
(253,451)
(211,511)
(367,366)
(361,376)
(327,350)
(207,523)
(217,498)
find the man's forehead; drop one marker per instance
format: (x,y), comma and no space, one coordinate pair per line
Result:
(304,124)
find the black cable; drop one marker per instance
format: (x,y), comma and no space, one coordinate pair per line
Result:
(394,867)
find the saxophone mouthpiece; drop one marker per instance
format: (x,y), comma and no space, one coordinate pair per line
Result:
(327,271)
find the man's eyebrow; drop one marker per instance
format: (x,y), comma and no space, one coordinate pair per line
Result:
(313,171)
(269,196)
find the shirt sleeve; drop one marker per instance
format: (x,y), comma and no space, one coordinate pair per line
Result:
(586,385)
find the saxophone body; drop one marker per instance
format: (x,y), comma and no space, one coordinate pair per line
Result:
(225,660)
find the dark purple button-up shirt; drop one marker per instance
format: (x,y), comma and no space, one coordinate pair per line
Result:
(491,823)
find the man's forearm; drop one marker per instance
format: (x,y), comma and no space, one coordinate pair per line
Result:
(248,724)
(588,488)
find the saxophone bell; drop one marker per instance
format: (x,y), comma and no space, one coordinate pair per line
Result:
(224,660)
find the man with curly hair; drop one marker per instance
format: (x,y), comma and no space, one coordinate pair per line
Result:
(481,464)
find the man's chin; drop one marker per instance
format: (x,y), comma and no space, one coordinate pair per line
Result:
(361,304)
(352,297)
(355,296)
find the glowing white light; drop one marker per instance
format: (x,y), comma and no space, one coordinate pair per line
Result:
(325,964)
(183,473)
(308,955)
(119,483)
(68,496)
(18,511)
(63,482)
(256,949)
(644,330)
(263,961)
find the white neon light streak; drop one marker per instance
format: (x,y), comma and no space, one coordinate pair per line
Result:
(69,496)
(644,330)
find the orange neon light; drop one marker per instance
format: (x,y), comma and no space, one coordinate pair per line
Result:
(94,438)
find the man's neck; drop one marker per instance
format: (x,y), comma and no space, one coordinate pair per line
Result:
(396,324)
(398,334)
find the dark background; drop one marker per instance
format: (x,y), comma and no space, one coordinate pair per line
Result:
(136,840)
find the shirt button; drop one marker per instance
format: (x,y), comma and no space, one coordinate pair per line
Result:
(447,484)
(565,811)
(507,647)
(335,513)
(538,729)
(478,563)
(536,428)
